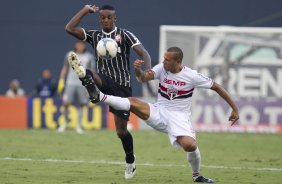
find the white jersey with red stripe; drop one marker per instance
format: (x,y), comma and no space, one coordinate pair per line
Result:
(176,89)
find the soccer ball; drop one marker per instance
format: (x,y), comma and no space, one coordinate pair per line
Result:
(107,48)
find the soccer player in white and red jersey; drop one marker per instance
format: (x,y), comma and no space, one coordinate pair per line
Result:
(171,113)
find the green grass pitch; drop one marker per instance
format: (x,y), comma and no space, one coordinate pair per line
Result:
(47,157)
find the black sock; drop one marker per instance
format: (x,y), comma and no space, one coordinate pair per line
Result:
(127,143)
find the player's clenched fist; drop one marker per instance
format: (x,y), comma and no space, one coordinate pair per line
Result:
(234,117)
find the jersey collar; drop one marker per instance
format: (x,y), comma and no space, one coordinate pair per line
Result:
(109,32)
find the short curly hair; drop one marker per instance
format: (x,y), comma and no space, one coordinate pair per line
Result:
(107,7)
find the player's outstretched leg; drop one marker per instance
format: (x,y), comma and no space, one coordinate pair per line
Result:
(85,76)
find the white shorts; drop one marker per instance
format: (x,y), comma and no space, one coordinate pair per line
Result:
(174,123)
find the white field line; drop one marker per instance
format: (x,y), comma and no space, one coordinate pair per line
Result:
(142,164)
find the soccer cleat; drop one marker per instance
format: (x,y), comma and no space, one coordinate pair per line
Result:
(130,170)
(85,76)
(75,64)
(62,128)
(202,179)
(93,91)
(87,80)
(79,130)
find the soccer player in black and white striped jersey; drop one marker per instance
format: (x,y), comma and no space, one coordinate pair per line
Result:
(113,74)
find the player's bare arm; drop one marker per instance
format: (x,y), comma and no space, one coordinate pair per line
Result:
(144,55)
(225,95)
(72,26)
(142,76)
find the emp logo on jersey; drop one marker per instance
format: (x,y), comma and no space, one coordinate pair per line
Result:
(172,82)
(172,93)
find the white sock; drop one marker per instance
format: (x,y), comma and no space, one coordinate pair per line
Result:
(194,158)
(118,103)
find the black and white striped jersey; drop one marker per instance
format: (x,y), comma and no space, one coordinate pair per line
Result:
(117,68)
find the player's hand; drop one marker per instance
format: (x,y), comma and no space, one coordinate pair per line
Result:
(138,64)
(61,86)
(234,117)
(92,8)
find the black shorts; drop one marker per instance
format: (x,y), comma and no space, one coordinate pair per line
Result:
(110,87)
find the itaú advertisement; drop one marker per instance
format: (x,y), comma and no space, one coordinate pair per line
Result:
(49,113)
(255,83)
(31,112)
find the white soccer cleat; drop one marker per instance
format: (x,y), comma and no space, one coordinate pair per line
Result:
(62,128)
(79,130)
(76,66)
(130,170)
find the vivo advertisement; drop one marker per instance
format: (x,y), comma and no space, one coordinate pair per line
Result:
(249,66)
